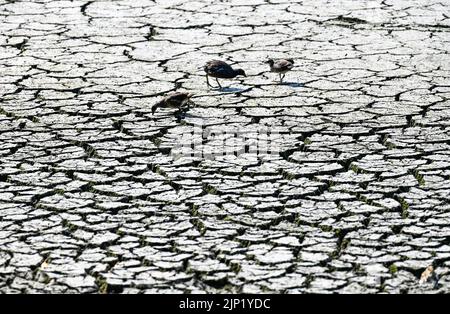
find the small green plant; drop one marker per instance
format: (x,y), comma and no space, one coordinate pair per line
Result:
(354,168)
(59,191)
(235,267)
(393,269)
(102,285)
(390,145)
(404,204)
(419,177)
(210,189)
(404,208)
(344,244)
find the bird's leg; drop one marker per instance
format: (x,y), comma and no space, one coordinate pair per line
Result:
(207,81)
(281,78)
(217,80)
(178,115)
(181,109)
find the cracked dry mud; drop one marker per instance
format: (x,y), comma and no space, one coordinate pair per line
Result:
(91,200)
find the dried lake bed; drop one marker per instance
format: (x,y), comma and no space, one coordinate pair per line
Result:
(336,181)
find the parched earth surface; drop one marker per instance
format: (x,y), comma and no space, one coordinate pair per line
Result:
(92,198)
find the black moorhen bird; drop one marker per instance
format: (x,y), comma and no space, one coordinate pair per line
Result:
(220,69)
(176,100)
(281,66)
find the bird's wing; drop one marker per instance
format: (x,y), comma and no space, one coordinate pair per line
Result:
(283,65)
(178,98)
(218,67)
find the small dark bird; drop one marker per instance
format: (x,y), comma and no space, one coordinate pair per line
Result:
(176,100)
(220,69)
(281,66)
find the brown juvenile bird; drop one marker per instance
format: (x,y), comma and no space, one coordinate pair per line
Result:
(177,100)
(220,69)
(281,66)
